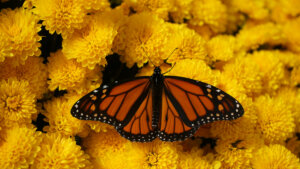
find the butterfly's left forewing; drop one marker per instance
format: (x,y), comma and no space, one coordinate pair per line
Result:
(113,104)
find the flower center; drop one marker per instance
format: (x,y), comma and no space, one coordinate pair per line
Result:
(152,159)
(13,102)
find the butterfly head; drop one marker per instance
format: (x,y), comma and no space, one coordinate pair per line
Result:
(157,71)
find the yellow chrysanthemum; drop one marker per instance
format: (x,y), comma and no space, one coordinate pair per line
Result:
(96,5)
(293,38)
(154,155)
(246,72)
(236,154)
(19,35)
(181,10)
(240,128)
(289,59)
(251,36)
(60,119)
(61,16)
(97,144)
(144,36)
(189,45)
(60,152)
(33,71)
(293,145)
(291,97)
(20,147)
(196,159)
(148,69)
(283,10)
(235,19)
(295,76)
(275,157)
(271,69)
(68,74)
(256,9)
(106,149)
(212,13)
(157,7)
(99,127)
(92,44)
(221,47)
(5,51)
(195,69)
(17,103)
(275,120)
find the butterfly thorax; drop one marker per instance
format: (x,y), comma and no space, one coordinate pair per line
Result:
(157,84)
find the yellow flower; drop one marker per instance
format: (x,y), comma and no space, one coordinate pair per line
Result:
(19,37)
(149,69)
(181,10)
(275,120)
(196,159)
(96,5)
(293,39)
(275,157)
(90,45)
(236,154)
(295,76)
(251,36)
(69,74)
(240,128)
(61,16)
(221,47)
(157,7)
(60,152)
(283,10)
(293,145)
(195,69)
(20,147)
(5,51)
(189,45)
(246,72)
(290,97)
(144,36)
(212,13)
(60,119)
(153,155)
(235,19)
(104,147)
(33,71)
(97,144)
(99,127)
(17,103)
(256,9)
(271,69)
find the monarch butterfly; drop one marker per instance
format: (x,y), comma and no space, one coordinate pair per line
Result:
(169,107)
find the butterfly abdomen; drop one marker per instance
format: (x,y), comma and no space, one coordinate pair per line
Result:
(157,85)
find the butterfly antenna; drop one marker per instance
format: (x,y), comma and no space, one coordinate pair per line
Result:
(173,64)
(171,53)
(170,69)
(146,53)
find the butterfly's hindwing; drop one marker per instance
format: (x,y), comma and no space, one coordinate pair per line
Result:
(171,126)
(140,127)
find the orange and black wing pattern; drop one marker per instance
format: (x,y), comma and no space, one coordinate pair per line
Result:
(187,104)
(126,105)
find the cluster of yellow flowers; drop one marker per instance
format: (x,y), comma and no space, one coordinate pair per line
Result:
(250,49)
